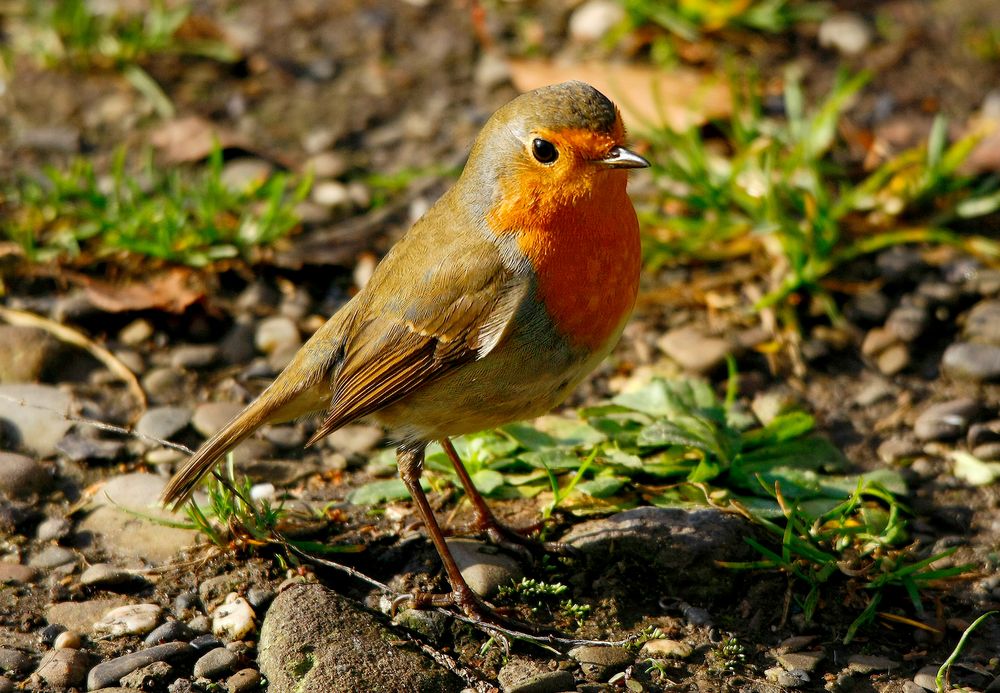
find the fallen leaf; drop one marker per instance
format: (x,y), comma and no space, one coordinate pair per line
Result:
(192,138)
(648,97)
(172,291)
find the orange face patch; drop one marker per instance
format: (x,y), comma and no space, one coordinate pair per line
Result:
(576,224)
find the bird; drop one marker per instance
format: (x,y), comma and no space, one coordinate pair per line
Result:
(490,309)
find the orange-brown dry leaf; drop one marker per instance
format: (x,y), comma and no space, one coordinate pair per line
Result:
(172,291)
(192,138)
(648,97)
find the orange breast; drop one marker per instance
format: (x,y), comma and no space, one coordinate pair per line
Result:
(585,250)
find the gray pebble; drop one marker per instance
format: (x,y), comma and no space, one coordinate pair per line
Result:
(109,673)
(215,663)
(6,685)
(27,353)
(972,361)
(597,663)
(186,600)
(484,567)
(21,476)
(983,323)
(868,307)
(258,298)
(243,681)
(14,661)
(260,598)
(591,21)
(63,668)
(898,448)
(165,384)
(163,422)
(845,32)
(52,139)
(147,678)
(135,333)
(131,619)
(193,356)
(277,333)
(899,262)
(804,661)
(206,642)
(925,678)
(237,345)
(786,679)
(285,437)
(52,557)
(171,631)
(111,577)
(200,624)
(984,439)
(694,350)
(877,340)
(893,360)
(513,679)
(80,447)
(946,420)
(866,664)
(240,175)
(908,321)
(210,417)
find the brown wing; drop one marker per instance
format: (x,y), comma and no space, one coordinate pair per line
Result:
(390,358)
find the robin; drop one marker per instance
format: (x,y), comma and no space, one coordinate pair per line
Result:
(494,305)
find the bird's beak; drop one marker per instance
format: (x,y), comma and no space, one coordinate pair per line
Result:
(619,157)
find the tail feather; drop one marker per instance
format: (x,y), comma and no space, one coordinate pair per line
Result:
(183,483)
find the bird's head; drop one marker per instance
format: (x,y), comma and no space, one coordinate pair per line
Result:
(548,151)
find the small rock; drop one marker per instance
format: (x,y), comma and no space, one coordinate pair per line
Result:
(925,678)
(984,440)
(17,574)
(592,20)
(665,647)
(695,351)
(78,616)
(6,685)
(135,333)
(14,661)
(244,174)
(67,640)
(786,679)
(769,405)
(186,600)
(200,624)
(946,420)
(597,663)
(234,620)
(796,643)
(48,634)
(328,165)
(874,392)
(110,673)
(150,677)
(194,356)
(900,262)
(893,360)
(109,576)
(518,677)
(866,664)
(21,476)
(359,193)
(215,664)
(331,194)
(171,631)
(972,361)
(492,71)
(356,438)
(164,384)
(907,321)
(27,352)
(37,416)
(132,619)
(213,591)
(51,139)
(869,307)
(52,557)
(483,566)
(237,345)
(938,293)
(210,417)
(79,447)
(206,642)
(243,681)
(983,323)
(805,661)
(260,598)
(277,333)
(877,340)
(845,32)
(285,437)
(898,448)
(63,668)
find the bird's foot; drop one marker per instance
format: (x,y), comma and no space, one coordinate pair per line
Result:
(521,541)
(472,605)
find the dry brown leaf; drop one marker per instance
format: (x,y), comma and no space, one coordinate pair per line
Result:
(648,97)
(172,291)
(192,138)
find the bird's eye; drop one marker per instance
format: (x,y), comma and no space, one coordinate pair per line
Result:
(544,151)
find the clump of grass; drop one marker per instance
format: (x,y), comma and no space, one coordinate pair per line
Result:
(676,444)
(71,33)
(73,214)
(770,185)
(690,19)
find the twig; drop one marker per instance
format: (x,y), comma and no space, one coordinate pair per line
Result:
(76,338)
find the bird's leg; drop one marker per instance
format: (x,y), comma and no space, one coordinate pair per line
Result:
(410,460)
(498,533)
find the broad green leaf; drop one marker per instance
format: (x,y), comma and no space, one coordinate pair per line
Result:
(487,481)
(569,432)
(807,453)
(375,492)
(528,436)
(782,428)
(556,459)
(601,486)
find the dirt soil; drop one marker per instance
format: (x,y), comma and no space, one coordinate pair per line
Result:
(400,87)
